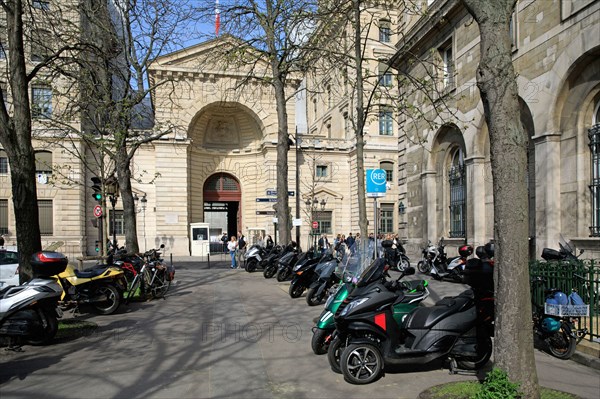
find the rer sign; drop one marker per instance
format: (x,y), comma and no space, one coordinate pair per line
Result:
(376,183)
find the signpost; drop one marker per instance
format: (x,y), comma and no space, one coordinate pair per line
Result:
(376,187)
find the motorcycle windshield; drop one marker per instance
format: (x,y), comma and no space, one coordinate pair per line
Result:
(355,262)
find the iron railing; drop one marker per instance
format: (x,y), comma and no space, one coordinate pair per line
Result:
(580,276)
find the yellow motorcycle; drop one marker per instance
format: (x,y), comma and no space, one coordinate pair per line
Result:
(101,287)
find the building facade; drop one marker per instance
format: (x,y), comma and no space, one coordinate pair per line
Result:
(218,165)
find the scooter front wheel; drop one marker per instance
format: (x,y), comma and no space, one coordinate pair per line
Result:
(403,264)
(424,267)
(320,341)
(283,274)
(296,289)
(334,352)
(251,265)
(361,363)
(270,271)
(561,344)
(312,299)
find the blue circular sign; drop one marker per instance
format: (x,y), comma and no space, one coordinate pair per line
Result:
(376,181)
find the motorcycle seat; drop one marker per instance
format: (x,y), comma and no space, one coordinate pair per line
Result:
(423,318)
(89,273)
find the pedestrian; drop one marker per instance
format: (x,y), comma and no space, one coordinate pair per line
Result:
(232,246)
(224,241)
(1,242)
(323,243)
(269,242)
(350,242)
(241,246)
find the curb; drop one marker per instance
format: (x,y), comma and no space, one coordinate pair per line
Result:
(586,360)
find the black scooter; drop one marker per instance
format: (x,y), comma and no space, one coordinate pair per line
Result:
(259,256)
(458,328)
(325,283)
(304,274)
(273,263)
(286,264)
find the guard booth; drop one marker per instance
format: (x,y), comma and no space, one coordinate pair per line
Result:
(200,239)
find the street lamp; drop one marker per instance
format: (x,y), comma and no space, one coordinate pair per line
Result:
(313,204)
(295,142)
(144,203)
(111,188)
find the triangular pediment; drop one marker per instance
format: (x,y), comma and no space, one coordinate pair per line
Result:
(221,55)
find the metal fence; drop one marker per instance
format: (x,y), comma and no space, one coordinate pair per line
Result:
(580,276)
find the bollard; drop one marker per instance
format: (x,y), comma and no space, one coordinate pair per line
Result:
(208,257)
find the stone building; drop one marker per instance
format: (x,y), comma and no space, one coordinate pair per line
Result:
(218,163)
(556,52)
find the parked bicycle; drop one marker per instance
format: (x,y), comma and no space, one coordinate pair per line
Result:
(154,277)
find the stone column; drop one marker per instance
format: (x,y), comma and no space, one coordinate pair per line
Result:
(429,199)
(547,191)
(476,217)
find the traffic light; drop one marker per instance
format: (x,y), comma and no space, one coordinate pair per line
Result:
(97,187)
(97,248)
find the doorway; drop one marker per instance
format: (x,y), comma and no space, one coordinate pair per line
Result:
(222,196)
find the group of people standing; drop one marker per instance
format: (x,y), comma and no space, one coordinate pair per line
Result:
(237,245)
(353,242)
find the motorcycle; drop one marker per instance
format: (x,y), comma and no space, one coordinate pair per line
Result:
(28,312)
(259,256)
(271,267)
(395,256)
(101,287)
(287,263)
(554,321)
(324,331)
(456,266)
(326,283)
(434,260)
(373,335)
(303,274)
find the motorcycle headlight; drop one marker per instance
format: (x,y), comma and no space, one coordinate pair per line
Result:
(352,305)
(329,300)
(297,267)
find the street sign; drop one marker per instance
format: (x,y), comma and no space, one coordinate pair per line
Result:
(274,193)
(98,211)
(315,225)
(297,222)
(266,200)
(265,212)
(376,183)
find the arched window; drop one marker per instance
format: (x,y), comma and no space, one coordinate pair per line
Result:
(458,194)
(594,136)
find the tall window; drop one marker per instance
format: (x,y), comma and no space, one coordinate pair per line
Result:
(116,217)
(386,224)
(386,123)
(458,194)
(594,136)
(324,219)
(447,58)
(39,48)
(389,170)
(386,77)
(385,31)
(3,41)
(46,214)
(3,216)
(322,171)
(3,163)
(41,102)
(41,4)
(43,162)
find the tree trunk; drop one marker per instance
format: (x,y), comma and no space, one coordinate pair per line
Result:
(129,216)
(360,123)
(283,208)
(15,136)
(496,79)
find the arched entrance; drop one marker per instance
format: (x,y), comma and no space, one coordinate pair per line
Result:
(222,196)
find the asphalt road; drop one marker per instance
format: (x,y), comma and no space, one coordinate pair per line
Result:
(221,334)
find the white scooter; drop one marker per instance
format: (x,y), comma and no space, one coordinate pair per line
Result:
(28,312)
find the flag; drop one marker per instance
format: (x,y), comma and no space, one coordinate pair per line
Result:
(217,17)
